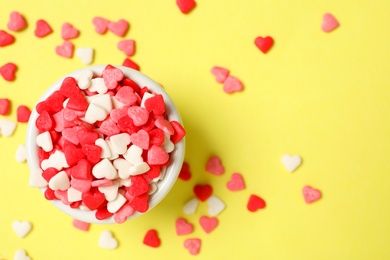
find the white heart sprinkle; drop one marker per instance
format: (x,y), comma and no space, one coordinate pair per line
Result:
(110,192)
(104,169)
(191,206)
(84,79)
(56,160)
(123,167)
(167,145)
(60,181)
(44,140)
(216,206)
(134,155)
(98,85)
(120,142)
(21,254)
(7,127)
(114,205)
(106,152)
(21,228)
(107,241)
(36,179)
(153,188)
(139,168)
(291,162)
(103,101)
(85,54)
(116,104)
(74,195)
(20,155)
(95,113)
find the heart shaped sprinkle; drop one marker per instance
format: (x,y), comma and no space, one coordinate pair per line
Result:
(193,245)
(85,54)
(232,84)
(123,213)
(214,166)
(185,173)
(255,203)
(183,227)
(6,38)
(119,28)
(310,194)
(112,76)
(264,44)
(151,238)
(329,22)
(140,139)
(5,105)
(84,226)
(93,200)
(23,114)
(8,70)
(208,224)
(101,24)
(68,32)
(60,181)
(127,46)
(186,6)
(20,155)
(236,182)
(107,241)
(191,206)
(42,29)
(216,206)
(130,64)
(7,127)
(203,192)
(16,22)
(21,228)
(21,254)
(44,140)
(220,73)
(291,162)
(157,155)
(65,50)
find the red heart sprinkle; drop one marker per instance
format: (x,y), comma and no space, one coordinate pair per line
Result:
(23,114)
(127,46)
(65,50)
(236,182)
(185,6)
(264,44)
(140,203)
(7,71)
(93,152)
(310,194)
(16,22)
(255,203)
(138,186)
(73,154)
(203,192)
(6,38)
(155,104)
(82,170)
(157,155)
(232,84)
(183,227)
(151,238)
(102,213)
(214,166)
(208,224)
(179,133)
(93,200)
(119,28)
(44,122)
(140,139)
(220,73)
(185,173)
(49,173)
(68,31)
(130,64)
(156,137)
(5,104)
(87,137)
(101,24)
(42,29)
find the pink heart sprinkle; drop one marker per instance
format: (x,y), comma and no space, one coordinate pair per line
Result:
(310,194)
(220,73)
(119,28)
(127,46)
(157,155)
(140,139)
(236,182)
(68,31)
(42,29)
(208,224)
(183,227)
(16,22)
(329,23)
(84,226)
(193,245)
(101,24)
(111,77)
(65,50)
(214,166)
(232,84)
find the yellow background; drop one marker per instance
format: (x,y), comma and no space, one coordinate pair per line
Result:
(324,96)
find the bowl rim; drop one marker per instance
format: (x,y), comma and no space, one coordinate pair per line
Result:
(176,156)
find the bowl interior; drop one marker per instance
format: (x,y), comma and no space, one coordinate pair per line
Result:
(176,156)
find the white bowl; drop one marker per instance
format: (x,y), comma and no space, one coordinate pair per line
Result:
(176,156)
